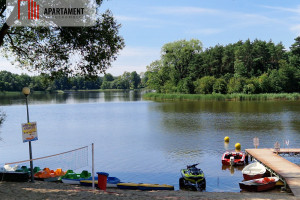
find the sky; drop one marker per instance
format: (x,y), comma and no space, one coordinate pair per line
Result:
(146,25)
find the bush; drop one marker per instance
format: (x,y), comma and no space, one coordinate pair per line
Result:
(236,85)
(264,83)
(185,86)
(220,86)
(249,89)
(205,85)
(168,87)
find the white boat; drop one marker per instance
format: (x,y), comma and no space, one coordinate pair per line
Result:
(253,171)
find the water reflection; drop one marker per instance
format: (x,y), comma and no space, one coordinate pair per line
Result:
(209,121)
(70,97)
(232,169)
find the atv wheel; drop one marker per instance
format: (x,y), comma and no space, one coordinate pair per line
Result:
(181,182)
(203,185)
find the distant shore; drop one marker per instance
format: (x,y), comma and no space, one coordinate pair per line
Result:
(55,191)
(223,97)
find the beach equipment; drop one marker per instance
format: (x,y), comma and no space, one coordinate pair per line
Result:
(233,158)
(253,171)
(110,183)
(258,185)
(192,176)
(48,175)
(72,178)
(8,173)
(144,186)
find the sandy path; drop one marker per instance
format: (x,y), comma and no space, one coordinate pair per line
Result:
(57,191)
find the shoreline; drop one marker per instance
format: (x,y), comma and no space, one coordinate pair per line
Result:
(52,190)
(223,97)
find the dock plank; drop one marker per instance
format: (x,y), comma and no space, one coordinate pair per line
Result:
(289,171)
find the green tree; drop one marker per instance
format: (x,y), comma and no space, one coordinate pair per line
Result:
(126,80)
(95,46)
(108,77)
(278,81)
(240,69)
(156,76)
(178,55)
(295,53)
(135,80)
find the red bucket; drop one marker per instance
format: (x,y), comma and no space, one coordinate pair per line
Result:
(102,180)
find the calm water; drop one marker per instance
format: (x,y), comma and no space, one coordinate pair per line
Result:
(147,141)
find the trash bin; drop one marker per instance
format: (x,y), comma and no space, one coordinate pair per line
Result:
(102,180)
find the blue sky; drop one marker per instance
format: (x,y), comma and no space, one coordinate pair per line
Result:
(149,24)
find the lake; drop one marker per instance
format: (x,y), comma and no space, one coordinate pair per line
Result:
(147,141)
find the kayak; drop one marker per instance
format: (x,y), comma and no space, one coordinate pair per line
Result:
(111,182)
(144,186)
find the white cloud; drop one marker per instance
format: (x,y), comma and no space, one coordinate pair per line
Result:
(6,65)
(293,10)
(134,59)
(128,18)
(184,10)
(296,29)
(204,31)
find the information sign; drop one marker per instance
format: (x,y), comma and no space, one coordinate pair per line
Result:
(29,132)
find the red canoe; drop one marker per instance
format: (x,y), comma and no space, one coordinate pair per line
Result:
(258,185)
(233,158)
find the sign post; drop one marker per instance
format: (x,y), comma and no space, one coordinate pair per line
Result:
(256,142)
(277,147)
(287,142)
(29,130)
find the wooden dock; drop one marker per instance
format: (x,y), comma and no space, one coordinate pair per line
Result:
(286,170)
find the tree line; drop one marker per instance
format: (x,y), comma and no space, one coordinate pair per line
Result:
(248,67)
(15,82)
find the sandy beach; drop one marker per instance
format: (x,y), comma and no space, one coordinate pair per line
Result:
(50,190)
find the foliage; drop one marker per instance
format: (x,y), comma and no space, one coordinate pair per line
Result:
(63,51)
(178,55)
(14,82)
(205,85)
(249,67)
(236,85)
(220,86)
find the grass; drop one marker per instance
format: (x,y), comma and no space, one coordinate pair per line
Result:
(223,97)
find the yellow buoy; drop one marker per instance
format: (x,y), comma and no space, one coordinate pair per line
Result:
(226,139)
(237,146)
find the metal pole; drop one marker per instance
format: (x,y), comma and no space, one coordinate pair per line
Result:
(30,149)
(93,167)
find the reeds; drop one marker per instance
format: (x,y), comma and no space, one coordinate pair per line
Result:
(224,97)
